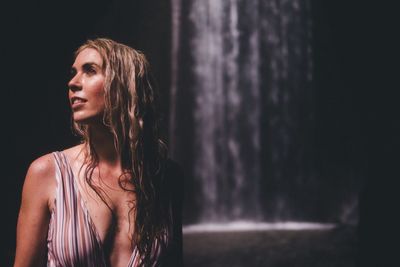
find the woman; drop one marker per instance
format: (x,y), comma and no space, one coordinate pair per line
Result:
(114,199)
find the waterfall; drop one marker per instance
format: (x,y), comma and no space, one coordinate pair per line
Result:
(242,106)
(227,127)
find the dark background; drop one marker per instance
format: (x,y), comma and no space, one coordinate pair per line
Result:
(356,65)
(355,72)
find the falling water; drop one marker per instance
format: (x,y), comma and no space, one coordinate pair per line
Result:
(227,109)
(242,106)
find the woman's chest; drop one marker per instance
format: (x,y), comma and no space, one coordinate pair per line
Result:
(113,221)
(112,213)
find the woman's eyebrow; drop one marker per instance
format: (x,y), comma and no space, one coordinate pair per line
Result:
(89,64)
(85,65)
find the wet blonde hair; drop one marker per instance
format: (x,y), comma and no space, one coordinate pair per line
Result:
(131,115)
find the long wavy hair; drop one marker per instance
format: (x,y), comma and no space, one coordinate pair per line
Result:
(131,116)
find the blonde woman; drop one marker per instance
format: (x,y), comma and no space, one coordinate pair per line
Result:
(115,198)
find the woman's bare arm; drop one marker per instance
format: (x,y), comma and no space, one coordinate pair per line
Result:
(34,214)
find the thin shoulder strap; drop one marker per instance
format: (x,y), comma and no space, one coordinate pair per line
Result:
(66,191)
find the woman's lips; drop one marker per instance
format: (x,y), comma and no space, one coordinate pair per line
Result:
(77,105)
(77,102)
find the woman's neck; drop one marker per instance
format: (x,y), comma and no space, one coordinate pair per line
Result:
(103,142)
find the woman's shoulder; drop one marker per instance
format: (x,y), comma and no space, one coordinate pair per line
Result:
(39,181)
(41,166)
(44,166)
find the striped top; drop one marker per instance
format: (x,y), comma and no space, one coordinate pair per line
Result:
(72,238)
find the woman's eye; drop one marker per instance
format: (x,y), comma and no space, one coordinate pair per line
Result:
(89,69)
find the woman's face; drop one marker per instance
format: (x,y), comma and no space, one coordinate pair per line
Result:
(86,88)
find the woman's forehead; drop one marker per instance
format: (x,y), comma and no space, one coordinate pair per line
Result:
(89,55)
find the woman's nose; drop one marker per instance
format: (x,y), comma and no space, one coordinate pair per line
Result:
(75,84)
